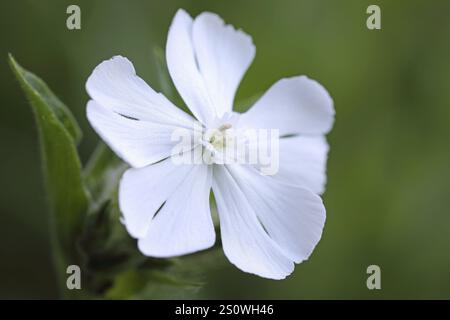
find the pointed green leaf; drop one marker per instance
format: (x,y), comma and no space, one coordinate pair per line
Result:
(58,133)
(38,88)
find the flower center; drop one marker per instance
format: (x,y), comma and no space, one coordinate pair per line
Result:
(216,143)
(218,137)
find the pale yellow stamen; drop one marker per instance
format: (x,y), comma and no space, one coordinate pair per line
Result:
(218,138)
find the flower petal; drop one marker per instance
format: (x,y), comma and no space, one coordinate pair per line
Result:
(224,55)
(303,162)
(182,65)
(206,60)
(143,191)
(295,105)
(139,143)
(115,85)
(293,217)
(184,224)
(245,242)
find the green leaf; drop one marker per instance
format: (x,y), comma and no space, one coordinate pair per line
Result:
(102,174)
(35,89)
(58,134)
(181,278)
(105,246)
(139,285)
(105,242)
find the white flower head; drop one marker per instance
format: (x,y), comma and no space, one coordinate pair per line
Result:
(269,221)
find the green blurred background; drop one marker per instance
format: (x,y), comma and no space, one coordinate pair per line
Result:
(388,195)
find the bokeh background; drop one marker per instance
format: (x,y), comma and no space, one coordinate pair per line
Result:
(388,195)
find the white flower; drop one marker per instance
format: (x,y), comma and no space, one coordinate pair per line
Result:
(267,223)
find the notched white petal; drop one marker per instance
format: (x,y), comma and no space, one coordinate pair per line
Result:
(143,191)
(293,216)
(182,65)
(245,242)
(296,105)
(223,55)
(115,85)
(139,143)
(206,60)
(266,224)
(135,121)
(183,225)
